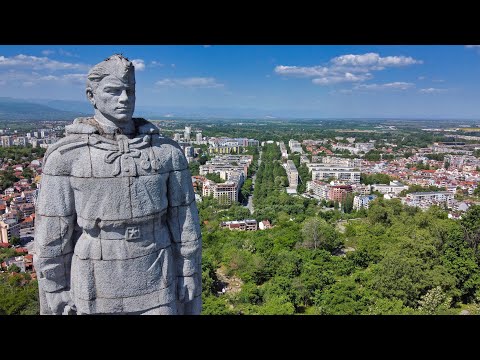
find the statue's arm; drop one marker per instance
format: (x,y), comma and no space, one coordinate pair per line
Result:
(54,225)
(184,225)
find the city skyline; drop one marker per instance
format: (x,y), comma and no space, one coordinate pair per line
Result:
(419,81)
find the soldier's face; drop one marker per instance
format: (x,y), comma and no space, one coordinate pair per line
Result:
(115,99)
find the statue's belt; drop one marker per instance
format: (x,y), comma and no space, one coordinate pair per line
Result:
(154,229)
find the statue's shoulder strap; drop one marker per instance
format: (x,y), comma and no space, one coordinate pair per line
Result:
(66,144)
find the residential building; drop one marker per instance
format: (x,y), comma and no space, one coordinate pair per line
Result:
(292,174)
(8,228)
(362,201)
(243,225)
(339,192)
(226,193)
(394,187)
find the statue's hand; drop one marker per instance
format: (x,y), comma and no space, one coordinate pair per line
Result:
(60,302)
(188,287)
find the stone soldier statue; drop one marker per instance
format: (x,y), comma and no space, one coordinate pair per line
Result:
(117,228)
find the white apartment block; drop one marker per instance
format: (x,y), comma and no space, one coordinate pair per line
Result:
(334,160)
(283,150)
(187,132)
(362,201)
(292,174)
(226,193)
(395,187)
(365,147)
(435,196)
(295,146)
(6,141)
(318,188)
(337,172)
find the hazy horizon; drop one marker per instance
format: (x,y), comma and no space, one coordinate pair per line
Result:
(322,81)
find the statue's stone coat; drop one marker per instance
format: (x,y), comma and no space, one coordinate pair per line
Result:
(116,221)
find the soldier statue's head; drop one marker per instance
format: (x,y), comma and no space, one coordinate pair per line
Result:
(111,90)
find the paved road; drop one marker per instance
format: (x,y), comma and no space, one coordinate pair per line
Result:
(250,198)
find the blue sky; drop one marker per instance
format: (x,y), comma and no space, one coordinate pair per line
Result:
(421,81)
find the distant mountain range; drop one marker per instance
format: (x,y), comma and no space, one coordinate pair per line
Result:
(25,110)
(47,109)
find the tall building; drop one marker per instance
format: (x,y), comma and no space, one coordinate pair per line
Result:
(189,151)
(188,131)
(199,137)
(176,137)
(9,228)
(292,174)
(6,141)
(339,192)
(225,193)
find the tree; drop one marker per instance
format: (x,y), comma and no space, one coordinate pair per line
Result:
(194,168)
(434,301)
(318,234)
(203,159)
(214,177)
(347,204)
(476,192)
(13,268)
(27,173)
(14,240)
(471,226)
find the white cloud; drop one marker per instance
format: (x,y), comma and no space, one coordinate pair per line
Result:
(346,68)
(398,85)
(438,80)
(302,71)
(38,63)
(432,91)
(67,53)
(374,61)
(421,77)
(48,52)
(48,78)
(207,46)
(472,46)
(356,60)
(346,77)
(139,64)
(75,78)
(155,64)
(193,82)
(13,77)
(341,91)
